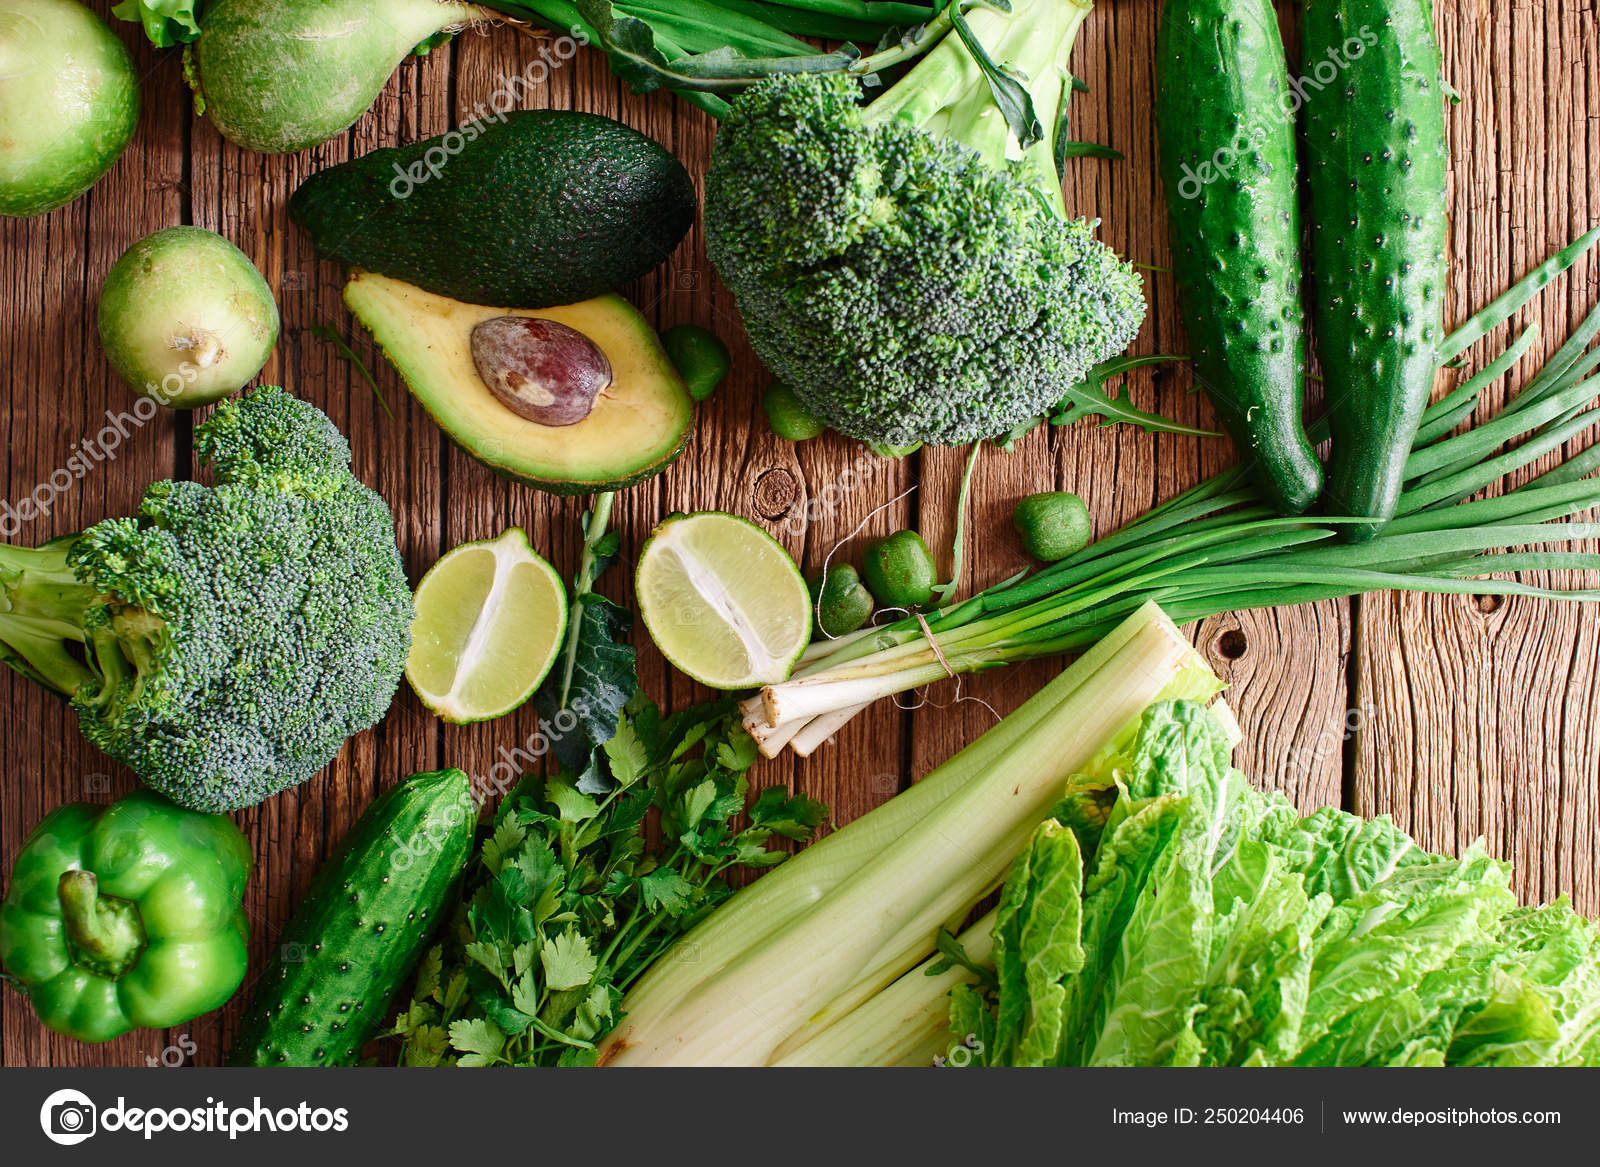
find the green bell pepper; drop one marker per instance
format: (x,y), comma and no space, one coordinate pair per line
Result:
(127,915)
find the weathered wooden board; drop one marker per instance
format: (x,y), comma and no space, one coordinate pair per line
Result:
(1457,720)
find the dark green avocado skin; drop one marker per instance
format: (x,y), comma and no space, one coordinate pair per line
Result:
(544,207)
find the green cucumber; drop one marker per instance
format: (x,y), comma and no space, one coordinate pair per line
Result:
(1376,158)
(354,939)
(1225,126)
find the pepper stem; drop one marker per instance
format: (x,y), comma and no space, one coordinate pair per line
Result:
(105,934)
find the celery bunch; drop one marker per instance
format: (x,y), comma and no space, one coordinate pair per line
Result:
(825,933)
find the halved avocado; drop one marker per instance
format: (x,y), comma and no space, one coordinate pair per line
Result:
(637,426)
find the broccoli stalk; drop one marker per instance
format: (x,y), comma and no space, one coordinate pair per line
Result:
(224,641)
(947,92)
(43,606)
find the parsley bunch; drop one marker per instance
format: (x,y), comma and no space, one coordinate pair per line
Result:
(568,900)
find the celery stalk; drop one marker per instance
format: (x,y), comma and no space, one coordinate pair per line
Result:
(947,858)
(786,891)
(916,939)
(908,1024)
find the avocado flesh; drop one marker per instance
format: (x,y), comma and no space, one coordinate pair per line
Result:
(635,430)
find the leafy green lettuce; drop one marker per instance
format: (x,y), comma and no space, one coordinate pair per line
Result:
(1171,914)
(166,22)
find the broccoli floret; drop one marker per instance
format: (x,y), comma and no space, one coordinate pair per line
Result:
(224,641)
(905,266)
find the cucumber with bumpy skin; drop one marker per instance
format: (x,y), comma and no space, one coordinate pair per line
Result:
(356,936)
(1227,138)
(1376,158)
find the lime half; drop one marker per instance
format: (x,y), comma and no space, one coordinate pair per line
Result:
(723,600)
(490,619)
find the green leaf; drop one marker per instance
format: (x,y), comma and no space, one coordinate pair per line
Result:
(695,803)
(664,890)
(738,752)
(971,1030)
(166,22)
(603,680)
(952,954)
(1091,398)
(1037,943)
(425,1046)
(525,995)
(455,990)
(595,1014)
(480,1041)
(627,754)
(508,834)
(1010,94)
(429,969)
(1065,150)
(634,55)
(523,956)
(573,805)
(568,963)
(794,817)
(487,957)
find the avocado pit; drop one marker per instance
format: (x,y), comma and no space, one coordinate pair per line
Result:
(540,369)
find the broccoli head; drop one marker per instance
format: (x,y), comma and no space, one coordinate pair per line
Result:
(223,641)
(908,266)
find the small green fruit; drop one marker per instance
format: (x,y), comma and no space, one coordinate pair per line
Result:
(789,419)
(842,603)
(700,357)
(1053,524)
(899,569)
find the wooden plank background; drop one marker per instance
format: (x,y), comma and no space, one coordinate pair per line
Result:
(1460,717)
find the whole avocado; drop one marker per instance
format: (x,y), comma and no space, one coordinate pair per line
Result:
(543,208)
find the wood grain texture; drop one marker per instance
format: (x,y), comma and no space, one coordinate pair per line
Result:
(1457,720)
(1483,711)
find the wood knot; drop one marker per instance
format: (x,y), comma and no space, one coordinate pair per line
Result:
(774,493)
(1232,644)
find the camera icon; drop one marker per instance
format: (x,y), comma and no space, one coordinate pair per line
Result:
(292,953)
(68,1117)
(98,783)
(686,953)
(686,280)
